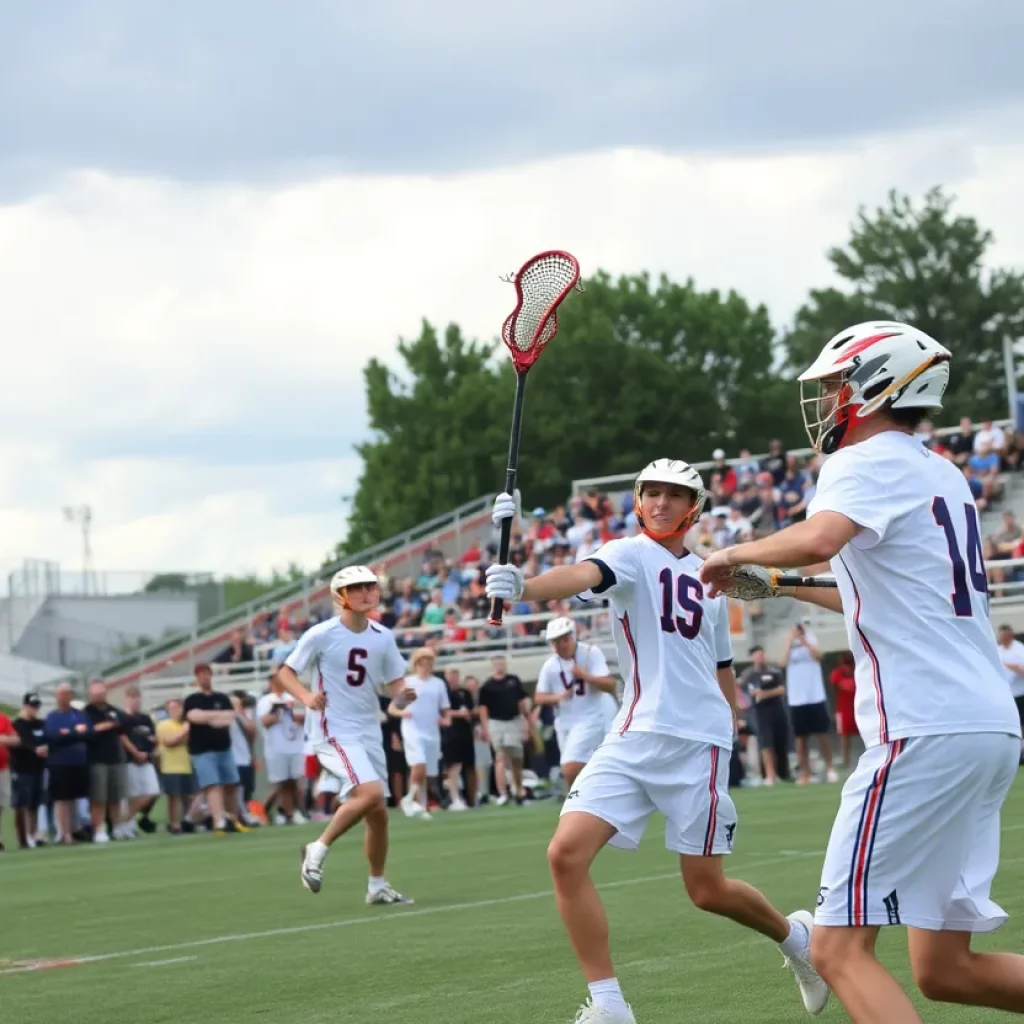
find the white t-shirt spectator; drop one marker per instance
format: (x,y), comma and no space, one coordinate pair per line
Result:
(240,749)
(1013,655)
(285,737)
(804,682)
(993,436)
(431,700)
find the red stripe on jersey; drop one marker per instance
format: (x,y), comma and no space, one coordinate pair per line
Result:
(709,836)
(628,633)
(876,670)
(866,837)
(349,770)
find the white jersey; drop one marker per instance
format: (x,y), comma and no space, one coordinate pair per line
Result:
(915,596)
(349,668)
(431,700)
(285,737)
(1013,655)
(586,703)
(670,639)
(804,682)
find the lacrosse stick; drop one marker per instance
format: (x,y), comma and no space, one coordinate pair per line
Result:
(825,582)
(541,286)
(758,582)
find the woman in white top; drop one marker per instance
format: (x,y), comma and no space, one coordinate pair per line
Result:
(421,728)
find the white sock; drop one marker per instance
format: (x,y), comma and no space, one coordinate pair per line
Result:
(607,995)
(317,851)
(376,883)
(796,941)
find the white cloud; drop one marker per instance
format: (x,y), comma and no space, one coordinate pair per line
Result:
(156,334)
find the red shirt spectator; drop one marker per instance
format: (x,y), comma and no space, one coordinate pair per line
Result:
(842,679)
(6,729)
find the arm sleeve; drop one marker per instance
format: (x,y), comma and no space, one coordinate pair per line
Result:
(394,664)
(848,485)
(598,662)
(545,681)
(305,651)
(618,561)
(723,638)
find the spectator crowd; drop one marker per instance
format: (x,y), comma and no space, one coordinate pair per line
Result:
(93,771)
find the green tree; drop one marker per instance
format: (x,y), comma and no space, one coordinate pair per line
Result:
(638,370)
(924,265)
(438,438)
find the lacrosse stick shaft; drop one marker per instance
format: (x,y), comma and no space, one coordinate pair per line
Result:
(822,582)
(498,605)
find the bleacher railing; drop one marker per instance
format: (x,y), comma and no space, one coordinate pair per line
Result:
(296,597)
(625,480)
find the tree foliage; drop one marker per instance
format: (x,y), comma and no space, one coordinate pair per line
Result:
(924,265)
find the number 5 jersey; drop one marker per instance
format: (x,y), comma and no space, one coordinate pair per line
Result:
(915,596)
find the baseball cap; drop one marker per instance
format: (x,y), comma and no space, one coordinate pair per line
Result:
(31,698)
(718,454)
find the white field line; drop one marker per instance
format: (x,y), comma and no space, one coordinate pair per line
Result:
(302,929)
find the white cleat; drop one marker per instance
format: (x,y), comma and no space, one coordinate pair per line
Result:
(387,896)
(813,988)
(312,873)
(588,1013)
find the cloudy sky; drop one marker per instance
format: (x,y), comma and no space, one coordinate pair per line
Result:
(213,211)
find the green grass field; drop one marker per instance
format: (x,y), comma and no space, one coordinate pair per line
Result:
(219,930)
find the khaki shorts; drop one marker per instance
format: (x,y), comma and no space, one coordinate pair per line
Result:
(108,783)
(507,736)
(5,788)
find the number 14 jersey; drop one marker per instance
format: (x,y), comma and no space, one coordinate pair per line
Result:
(670,638)
(915,597)
(349,668)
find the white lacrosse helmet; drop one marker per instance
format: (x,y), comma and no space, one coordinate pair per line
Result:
(349,577)
(866,369)
(561,626)
(670,471)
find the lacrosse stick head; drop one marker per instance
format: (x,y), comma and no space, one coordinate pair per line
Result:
(542,283)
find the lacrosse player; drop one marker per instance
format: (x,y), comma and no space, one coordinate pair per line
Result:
(669,746)
(575,681)
(916,838)
(351,657)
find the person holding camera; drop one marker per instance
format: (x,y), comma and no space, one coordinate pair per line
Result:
(282,717)
(808,703)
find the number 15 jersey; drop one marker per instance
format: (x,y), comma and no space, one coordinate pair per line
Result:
(348,668)
(915,597)
(670,640)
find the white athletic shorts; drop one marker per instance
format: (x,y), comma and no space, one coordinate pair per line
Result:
(578,743)
(420,749)
(916,839)
(632,776)
(285,768)
(327,783)
(353,764)
(142,781)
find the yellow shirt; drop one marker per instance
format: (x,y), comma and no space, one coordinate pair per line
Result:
(173,760)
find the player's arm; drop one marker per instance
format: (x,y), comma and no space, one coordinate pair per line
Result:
(562,582)
(596,674)
(817,539)
(820,596)
(399,708)
(548,693)
(727,684)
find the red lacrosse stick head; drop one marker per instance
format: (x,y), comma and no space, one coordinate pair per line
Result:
(542,283)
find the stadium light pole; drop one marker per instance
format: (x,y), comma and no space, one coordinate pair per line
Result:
(82,515)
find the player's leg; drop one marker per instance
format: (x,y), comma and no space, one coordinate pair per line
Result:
(376,840)
(945,967)
(845,958)
(414,803)
(607,805)
(688,782)
(570,771)
(803,760)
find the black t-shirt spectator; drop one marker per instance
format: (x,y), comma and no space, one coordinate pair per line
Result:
(461,729)
(768,678)
(390,725)
(501,697)
(241,655)
(32,734)
(206,739)
(776,465)
(141,731)
(105,747)
(961,443)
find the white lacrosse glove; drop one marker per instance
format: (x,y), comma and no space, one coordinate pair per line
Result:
(504,581)
(749,583)
(505,507)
